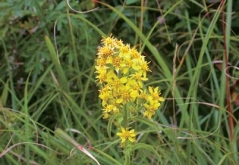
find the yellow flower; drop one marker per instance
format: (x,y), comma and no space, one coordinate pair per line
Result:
(149,114)
(151,108)
(109,41)
(135,85)
(105,52)
(109,108)
(121,72)
(114,81)
(125,65)
(144,67)
(127,135)
(105,95)
(105,115)
(126,94)
(124,51)
(116,61)
(137,77)
(154,94)
(135,54)
(100,62)
(101,73)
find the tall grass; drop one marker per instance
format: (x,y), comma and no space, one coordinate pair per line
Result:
(50,112)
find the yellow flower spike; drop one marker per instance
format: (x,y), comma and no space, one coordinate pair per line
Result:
(127,135)
(121,71)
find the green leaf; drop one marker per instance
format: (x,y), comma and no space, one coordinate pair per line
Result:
(62,77)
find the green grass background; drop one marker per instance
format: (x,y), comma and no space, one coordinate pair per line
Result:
(49,103)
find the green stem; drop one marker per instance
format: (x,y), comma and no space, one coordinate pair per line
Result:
(125,124)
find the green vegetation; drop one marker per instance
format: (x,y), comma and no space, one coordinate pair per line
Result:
(50,110)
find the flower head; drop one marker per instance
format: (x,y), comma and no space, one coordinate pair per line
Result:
(121,72)
(127,135)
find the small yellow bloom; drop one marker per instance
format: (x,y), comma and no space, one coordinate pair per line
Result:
(114,80)
(124,51)
(126,94)
(105,52)
(109,108)
(101,74)
(138,76)
(116,61)
(109,41)
(151,108)
(127,135)
(135,54)
(149,114)
(105,115)
(154,93)
(105,95)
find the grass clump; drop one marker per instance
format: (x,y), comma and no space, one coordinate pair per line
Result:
(50,100)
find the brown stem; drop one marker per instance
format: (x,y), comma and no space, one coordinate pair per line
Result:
(228,93)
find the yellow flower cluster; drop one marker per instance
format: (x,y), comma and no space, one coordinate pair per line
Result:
(121,70)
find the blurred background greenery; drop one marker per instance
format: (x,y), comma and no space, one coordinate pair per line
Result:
(48,51)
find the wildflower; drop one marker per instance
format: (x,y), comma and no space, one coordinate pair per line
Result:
(135,54)
(126,94)
(127,135)
(102,74)
(149,114)
(109,41)
(114,81)
(151,107)
(116,63)
(105,52)
(154,94)
(121,72)
(105,115)
(105,95)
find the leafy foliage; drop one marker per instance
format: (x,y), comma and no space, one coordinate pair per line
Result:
(48,54)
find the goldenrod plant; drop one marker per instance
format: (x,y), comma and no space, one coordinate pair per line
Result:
(121,72)
(69,96)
